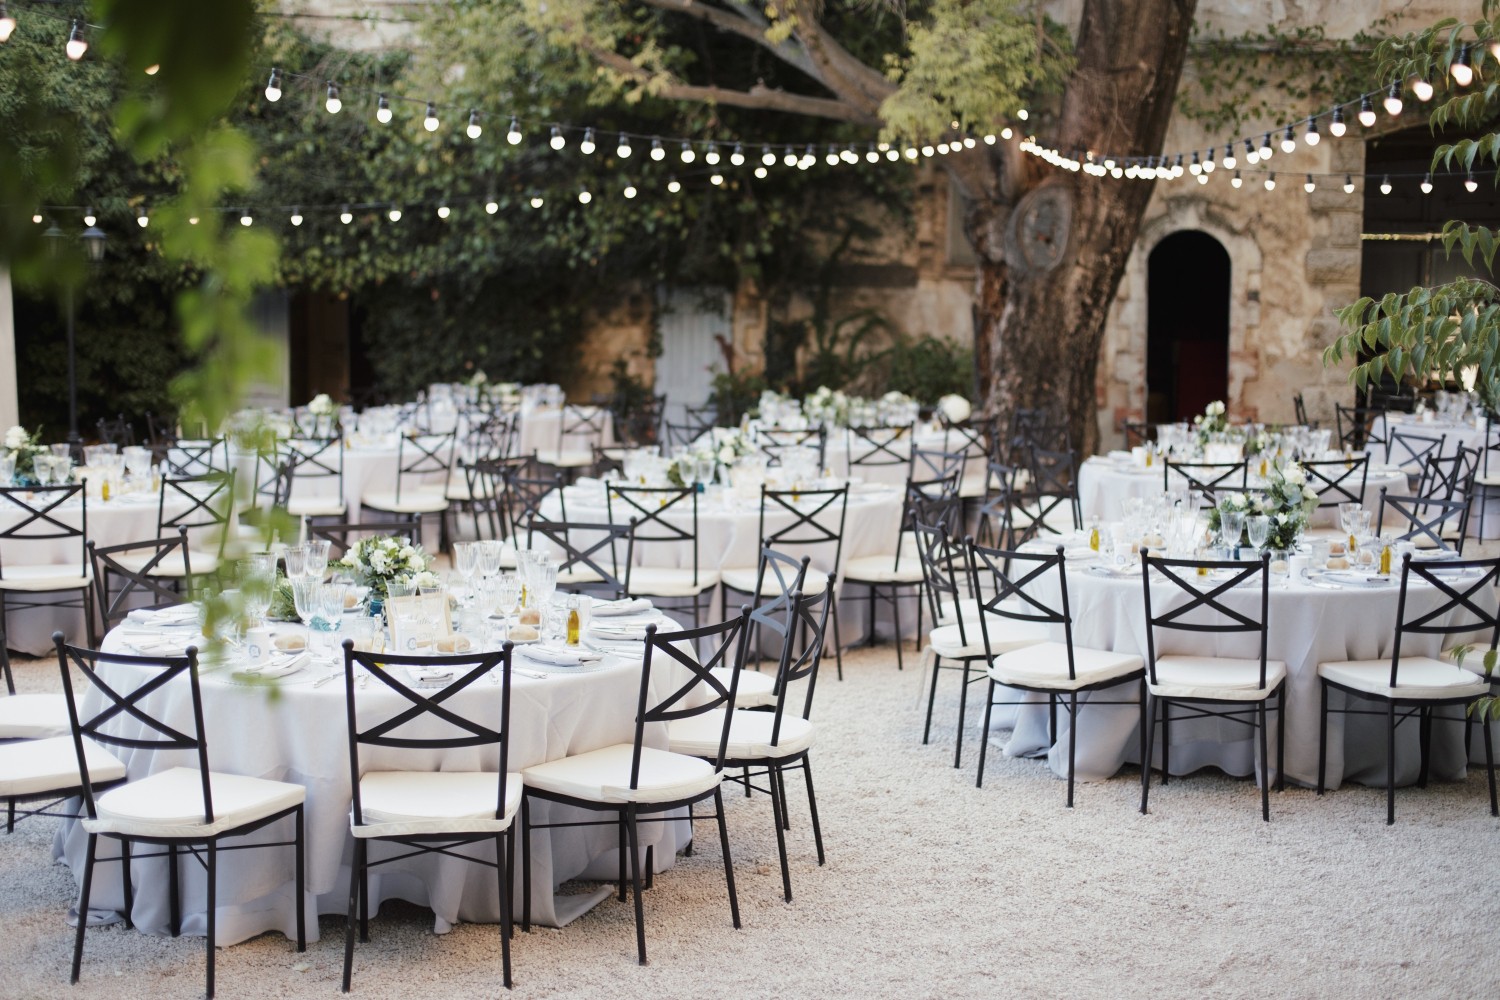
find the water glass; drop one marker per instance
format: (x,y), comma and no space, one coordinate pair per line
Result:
(1231,528)
(317,557)
(305,598)
(295,557)
(1259,529)
(7,470)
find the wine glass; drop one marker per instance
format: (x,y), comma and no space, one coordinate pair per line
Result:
(508,595)
(317,557)
(543,581)
(466,562)
(329,604)
(1347,514)
(295,557)
(41,469)
(305,599)
(257,578)
(1231,528)
(1259,529)
(489,555)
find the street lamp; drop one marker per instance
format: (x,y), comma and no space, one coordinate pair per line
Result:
(93,242)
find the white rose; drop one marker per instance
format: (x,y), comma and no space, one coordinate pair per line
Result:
(955,408)
(16,437)
(726,455)
(378,562)
(407,551)
(1294,474)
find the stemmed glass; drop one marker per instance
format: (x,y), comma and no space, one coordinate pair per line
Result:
(41,469)
(466,562)
(489,555)
(543,582)
(1259,529)
(258,577)
(305,599)
(1231,527)
(508,595)
(295,557)
(317,557)
(329,605)
(1348,514)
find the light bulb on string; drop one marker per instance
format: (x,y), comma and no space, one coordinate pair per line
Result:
(942,149)
(346,216)
(1271,181)
(1385,184)
(537,201)
(333,104)
(1309,185)
(832,157)
(808,158)
(513,134)
(557,141)
(77,43)
(767,158)
(737,158)
(491,206)
(622,150)
(1366,112)
(1202,178)
(296,218)
(141,218)
(474,129)
(761,172)
(584,197)
(586,147)
(712,156)
(192,220)
(37,218)
(1288,141)
(1427,184)
(1023,114)
(1252,155)
(849,155)
(968,142)
(1236,180)
(1348,184)
(444,211)
(1266,152)
(1176,167)
(1195,168)
(989,138)
(928,150)
(1336,126)
(629,191)
(1312,136)
(1208,162)
(430,119)
(716,180)
(89,218)
(893,155)
(789,158)
(871,156)
(672,185)
(1229,162)
(687,154)
(273,86)
(7,23)
(1422,89)
(1470,184)
(1006,133)
(245,218)
(657,153)
(383,111)
(394,214)
(1392,100)
(1461,71)
(911,152)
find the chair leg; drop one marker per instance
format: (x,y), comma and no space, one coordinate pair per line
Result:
(83,904)
(301,882)
(635,879)
(896,624)
(501,853)
(364,891)
(1489,765)
(213,906)
(812,805)
(126,883)
(838,642)
(734,900)
(10,816)
(1424,731)
(1166,742)
(1265,774)
(1390,765)
(174,893)
(1141,722)
(984,734)
(778,806)
(937,664)
(1072,740)
(1149,745)
(525,864)
(963,703)
(1322,734)
(621,837)
(350,912)
(1281,740)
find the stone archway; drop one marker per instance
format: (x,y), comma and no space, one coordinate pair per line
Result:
(1187,325)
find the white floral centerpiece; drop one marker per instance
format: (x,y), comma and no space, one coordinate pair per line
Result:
(322,405)
(23,447)
(1230,503)
(954,408)
(1288,502)
(1211,421)
(379,561)
(828,406)
(724,446)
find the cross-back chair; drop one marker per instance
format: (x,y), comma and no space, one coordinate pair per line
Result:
(663,521)
(36,522)
(1426,522)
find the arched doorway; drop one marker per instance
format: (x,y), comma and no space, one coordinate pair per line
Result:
(1187,326)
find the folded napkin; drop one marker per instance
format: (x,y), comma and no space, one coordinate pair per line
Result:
(556,657)
(635,632)
(429,675)
(181,614)
(150,645)
(279,666)
(628,606)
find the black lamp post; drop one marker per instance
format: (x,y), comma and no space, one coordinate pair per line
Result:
(93,242)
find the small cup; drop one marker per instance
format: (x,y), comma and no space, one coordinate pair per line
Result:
(257,644)
(1297,567)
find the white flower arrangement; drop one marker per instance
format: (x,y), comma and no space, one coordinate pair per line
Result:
(23,447)
(380,561)
(830,406)
(322,406)
(1212,420)
(954,408)
(478,379)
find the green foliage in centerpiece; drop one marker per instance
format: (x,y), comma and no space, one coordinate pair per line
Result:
(380,561)
(1288,501)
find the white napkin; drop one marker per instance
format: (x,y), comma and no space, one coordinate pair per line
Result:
(159,645)
(181,614)
(279,666)
(628,606)
(635,632)
(429,675)
(556,657)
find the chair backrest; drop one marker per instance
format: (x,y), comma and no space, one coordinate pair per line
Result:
(588,548)
(1449,477)
(1466,602)
(485,480)
(773,442)
(196,457)
(492,434)
(40,517)
(1338,480)
(208,500)
(117,431)
(1410,451)
(975,438)
(995,521)
(433,719)
(423,457)
(941,564)
(584,424)
(1211,478)
(661,517)
(932,501)
(1051,494)
(1138,433)
(801,654)
(684,651)
(1012,580)
(125,718)
(1179,599)
(314,461)
(927,464)
(343,535)
(817,520)
(526,486)
(682,435)
(775,612)
(880,446)
(1428,521)
(1357,426)
(137,580)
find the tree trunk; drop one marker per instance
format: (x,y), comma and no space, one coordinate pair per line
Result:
(1038,329)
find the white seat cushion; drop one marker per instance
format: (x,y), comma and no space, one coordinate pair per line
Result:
(743,581)
(199,561)
(1473,660)
(1416,677)
(974,485)
(566,459)
(578,575)
(1215,677)
(757,688)
(412,803)
(1005,635)
(604,776)
(749,735)
(968,609)
(40,579)
(415,501)
(1046,665)
(650,581)
(35,767)
(884,569)
(1493,479)
(33,716)
(316,506)
(170,804)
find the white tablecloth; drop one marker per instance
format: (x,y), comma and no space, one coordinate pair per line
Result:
(300,736)
(1308,625)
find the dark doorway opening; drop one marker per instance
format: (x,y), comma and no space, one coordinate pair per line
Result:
(1187,326)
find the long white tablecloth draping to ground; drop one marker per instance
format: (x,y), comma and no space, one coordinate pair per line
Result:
(298,734)
(1104,485)
(1308,625)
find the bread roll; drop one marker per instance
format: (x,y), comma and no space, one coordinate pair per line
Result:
(523,633)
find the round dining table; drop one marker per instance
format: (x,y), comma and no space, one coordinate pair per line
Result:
(1324,617)
(293,729)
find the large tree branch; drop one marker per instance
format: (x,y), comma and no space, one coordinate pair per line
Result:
(746,25)
(758,97)
(841,72)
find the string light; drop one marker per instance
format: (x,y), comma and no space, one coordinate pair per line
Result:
(1470,184)
(767,158)
(333,104)
(1366,112)
(911,152)
(1309,185)
(712,156)
(1252,155)
(141,219)
(942,149)
(383,111)
(893,155)
(584,197)
(687,153)
(1195,168)
(474,129)
(296,217)
(673,186)
(513,134)
(832,158)
(192,220)
(444,211)
(586,147)
(761,172)
(77,44)
(1421,87)
(1461,71)
(246,219)
(346,216)
(927,150)
(849,155)
(1288,141)
(491,206)
(871,156)
(630,191)
(430,119)
(1236,181)
(737,158)
(1202,178)
(273,87)
(657,153)
(38,217)
(1266,152)
(716,180)
(1208,164)
(394,214)
(1336,126)
(1271,181)
(1006,133)
(1426,184)
(623,149)
(1393,100)
(89,218)
(1348,184)
(789,158)
(557,141)
(536,201)
(968,142)
(1229,160)
(1385,184)
(1312,137)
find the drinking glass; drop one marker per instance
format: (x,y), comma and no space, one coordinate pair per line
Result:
(41,469)
(508,595)
(305,599)
(296,562)
(543,581)
(62,450)
(257,578)
(466,562)
(489,555)
(1231,528)
(317,557)
(1259,529)
(7,469)
(1347,513)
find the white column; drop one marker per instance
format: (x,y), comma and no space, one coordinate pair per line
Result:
(10,407)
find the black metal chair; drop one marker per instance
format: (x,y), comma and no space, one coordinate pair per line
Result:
(1210,478)
(580,430)
(1356,426)
(117,431)
(589,559)
(1449,477)
(655,516)
(126,574)
(996,520)
(1048,502)
(1410,452)
(1237,689)
(1416,686)
(149,811)
(1426,522)
(641,784)
(1338,480)
(36,522)
(1059,670)
(879,447)
(1138,433)
(188,458)
(430,811)
(773,442)
(424,463)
